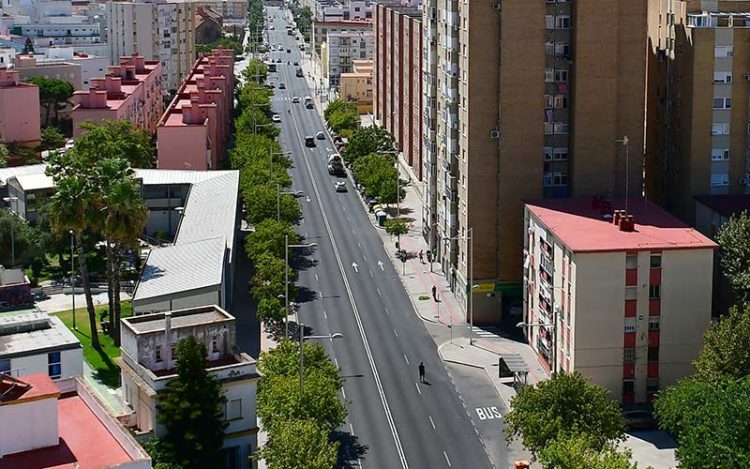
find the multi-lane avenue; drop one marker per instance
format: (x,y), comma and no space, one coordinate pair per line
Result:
(351,287)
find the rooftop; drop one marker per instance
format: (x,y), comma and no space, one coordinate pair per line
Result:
(34,182)
(11,276)
(24,334)
(30,388)
(86,440)
(726,205)
(156,322)
(579,225)
(181,267)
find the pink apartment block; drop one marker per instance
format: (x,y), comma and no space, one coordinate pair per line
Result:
(130,91)
(193,131)
(19,109)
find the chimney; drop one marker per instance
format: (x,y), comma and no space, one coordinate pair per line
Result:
(167,335)
(627,223)
(113,85)
(616,216)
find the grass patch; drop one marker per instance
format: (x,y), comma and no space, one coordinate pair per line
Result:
(99,359)
(423,297)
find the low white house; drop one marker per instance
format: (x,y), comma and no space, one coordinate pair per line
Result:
(147,363)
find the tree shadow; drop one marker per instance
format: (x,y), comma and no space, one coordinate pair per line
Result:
(350,449)
(305,295)
(109,375)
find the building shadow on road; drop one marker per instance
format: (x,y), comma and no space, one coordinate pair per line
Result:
(350,449)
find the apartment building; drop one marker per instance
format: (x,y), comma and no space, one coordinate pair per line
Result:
(228,9)
(147,363)
(398,78)
(192,133)
(622,296)
(699,133)
(321,29)
(158,31)
(508,117)
(129,91)
(19,109)
(340,50)
(356,87)
(29,65)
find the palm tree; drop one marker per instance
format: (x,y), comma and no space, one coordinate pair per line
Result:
(71,208)
(125,220)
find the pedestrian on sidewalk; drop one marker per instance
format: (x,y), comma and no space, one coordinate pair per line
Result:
(429,256)
(421,372)
(434,292)
(421,256)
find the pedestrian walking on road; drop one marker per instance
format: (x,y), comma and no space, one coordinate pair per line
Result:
(421,372)
(421,256)
(434,292)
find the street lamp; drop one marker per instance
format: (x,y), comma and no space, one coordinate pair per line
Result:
(271,154)
(288,246)
(72,279)
(9,200)
(469,237)
(279,192)
(302,339)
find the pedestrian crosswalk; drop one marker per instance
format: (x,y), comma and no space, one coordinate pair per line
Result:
(487,332)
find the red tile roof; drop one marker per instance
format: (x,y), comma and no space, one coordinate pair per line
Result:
(28,388)
(583,228)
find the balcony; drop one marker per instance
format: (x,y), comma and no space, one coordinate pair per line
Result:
(451,145)
(450,42)
(451,19)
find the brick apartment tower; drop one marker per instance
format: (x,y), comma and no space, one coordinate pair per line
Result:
(698,143)
(524,100)
(397,81)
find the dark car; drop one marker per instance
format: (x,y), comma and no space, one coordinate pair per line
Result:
(282,86)
(639,419)
(309,141)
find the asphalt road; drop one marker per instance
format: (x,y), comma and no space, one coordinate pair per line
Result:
(350,286)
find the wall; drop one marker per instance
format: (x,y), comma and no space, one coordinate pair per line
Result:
(192,299)
(19,114)
(34,425)
(72,362)
(183,147)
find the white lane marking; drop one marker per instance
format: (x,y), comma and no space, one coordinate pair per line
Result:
(325,315)
(446,459)
(378,290)
(359,245)
(380,264)
(371,275)
(432,422)
(406,359)
(343,393)
(336,361)
(395,332)
(316,277)
(355,266)
(418,390)
(364,257)
(386,311)
(343,207)
(357,317)
(351,427)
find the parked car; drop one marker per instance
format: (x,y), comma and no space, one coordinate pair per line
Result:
(340,186)
(320,135)
(276,118)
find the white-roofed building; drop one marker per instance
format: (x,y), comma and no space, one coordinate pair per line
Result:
(27,193)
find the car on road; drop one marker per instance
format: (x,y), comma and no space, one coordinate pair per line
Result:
(276,118)
(278,61)
(272,28)
(295,100)
(289,51)
(309,102)
(282,86)
(309,141)
(295,64)
(320,135)
(340,186)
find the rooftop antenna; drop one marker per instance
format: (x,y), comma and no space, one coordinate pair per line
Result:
(625,142)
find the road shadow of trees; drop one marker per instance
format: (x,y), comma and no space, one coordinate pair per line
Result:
(350,449)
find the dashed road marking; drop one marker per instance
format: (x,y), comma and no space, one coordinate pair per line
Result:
(343,393)
(325,315)
(378,290)
(406,359)
(395,332)
(418,390)
(432,422)
(446,458)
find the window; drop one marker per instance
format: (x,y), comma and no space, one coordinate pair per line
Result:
(214,345)
(655,261)
(5,366)
(549,21)
(722,103)
(173,352)
(720,129)
(54,363)
(654,292)
(548,153)
(562,22)
(560,154)
(628,386)
(631,293)
(233,409)
(562,49)
(552,179)
(652,385)
(653,354)
(157,354)
(561,101)
(549,101)
(719,154)
(629,325)
(723,51)
(549,77)
(629,355)
(631,261)
(560,128)
(549,48)
(653,324)
(720,179)
(722,77)
(561,76)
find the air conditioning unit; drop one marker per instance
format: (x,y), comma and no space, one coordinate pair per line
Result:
(497,5)
(746,77)
(742,181)
(495,134)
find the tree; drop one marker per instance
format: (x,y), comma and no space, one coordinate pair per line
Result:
(576,452)
(191,409)
(28,47)
(52,139)
(260,204)
(268,237)
(341,116)
(726,349)
(269,278)
(566,404)
(52,93)
(366,140)
(72,207)
(396,226)
(117,139)
(711,420)
(270,310)
(378,173)
(734,254)
(255,71)
(284,361)
(3,156)
(300,444)
(22,235)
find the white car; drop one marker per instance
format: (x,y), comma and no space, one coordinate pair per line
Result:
(295,100)
(276,118)
(340,186)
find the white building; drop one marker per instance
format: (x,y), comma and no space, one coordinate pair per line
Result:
(626,298)
(158,31)
(341,48)
(147,363)
(92,66)
(34,342)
